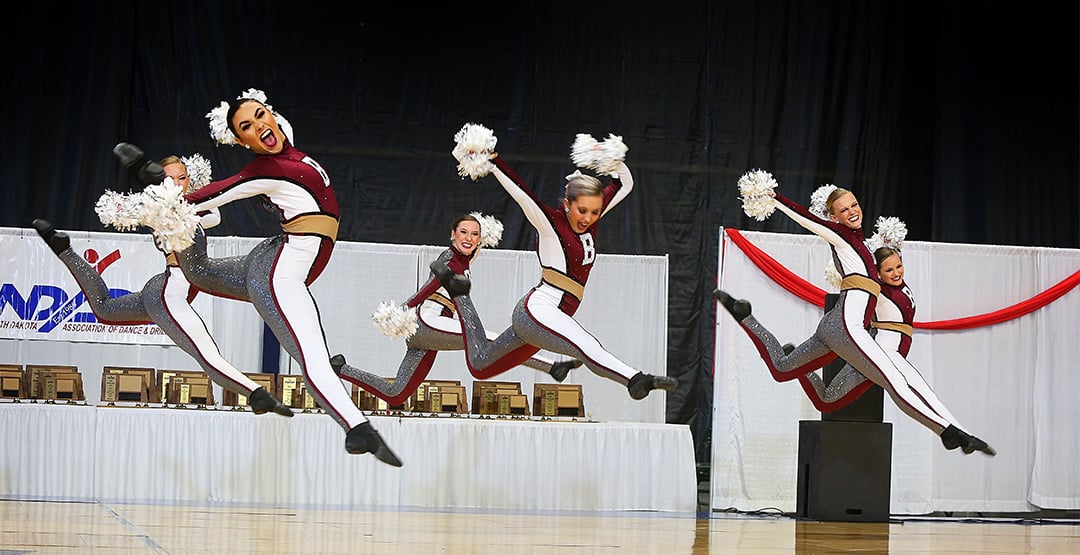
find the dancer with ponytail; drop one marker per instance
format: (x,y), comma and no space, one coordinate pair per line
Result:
(276,274)
(429,322)
(164,299)
(843,331)
(566,248)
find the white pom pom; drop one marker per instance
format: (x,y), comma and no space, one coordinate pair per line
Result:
(819,201)
(832,275)
(119,210)
(892,231)
(394,321)
(254,94)
(219,125)
(198,169)
(874,242)
(474,148)
(757,195)
(172,218)
(601,157)
(582,151)
(491,229)
(286,127)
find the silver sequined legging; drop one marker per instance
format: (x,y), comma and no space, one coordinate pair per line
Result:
(841,331)
(422,348)
(537,323)
(848,381)
(170,312)
(272,278)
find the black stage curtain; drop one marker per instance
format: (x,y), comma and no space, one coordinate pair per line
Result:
(959,117)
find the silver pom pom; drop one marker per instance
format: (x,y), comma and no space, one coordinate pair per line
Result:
(819,201)
(892,231)
(491,229)
(601,157)
(757,195)
(198,169)
(120,211)
(394,321)
(474,148)
(172,218)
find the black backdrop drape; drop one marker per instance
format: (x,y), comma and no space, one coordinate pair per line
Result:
(958,117)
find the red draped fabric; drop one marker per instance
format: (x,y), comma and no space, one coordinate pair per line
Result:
(815,295)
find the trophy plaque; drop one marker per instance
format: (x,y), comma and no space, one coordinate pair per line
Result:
(487,397)
(558,400)
(12,381)
(239,400)
(289,386)
(36,378)
(124,384)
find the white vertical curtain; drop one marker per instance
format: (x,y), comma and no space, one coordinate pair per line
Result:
(1012,384)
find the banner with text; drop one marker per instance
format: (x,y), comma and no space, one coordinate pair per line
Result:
(39,298)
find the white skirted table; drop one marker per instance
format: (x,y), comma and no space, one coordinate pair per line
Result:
(171,455)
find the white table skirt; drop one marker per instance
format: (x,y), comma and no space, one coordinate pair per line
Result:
(160,455)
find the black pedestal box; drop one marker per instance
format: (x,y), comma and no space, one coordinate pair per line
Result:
(844,471)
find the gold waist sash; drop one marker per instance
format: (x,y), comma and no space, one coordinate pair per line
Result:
(171,260)
(441,299)
(862,283)
(313,224)
(562,281)
(906,329)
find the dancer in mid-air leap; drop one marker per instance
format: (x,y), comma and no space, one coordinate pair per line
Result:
(843,331)
(567,249)
(165,298)
(430,323)
(276,274)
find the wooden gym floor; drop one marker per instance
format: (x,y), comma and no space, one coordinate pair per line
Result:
(49,527)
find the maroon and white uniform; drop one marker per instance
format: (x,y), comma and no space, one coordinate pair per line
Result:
(299,188)
(543,319)
(165,300)
(843,331)
(438,329)
(892,328)
(176,295)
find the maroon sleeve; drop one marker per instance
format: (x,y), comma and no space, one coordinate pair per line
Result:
(516,179)
(430,287)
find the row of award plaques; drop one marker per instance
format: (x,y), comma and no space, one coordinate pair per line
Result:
(488,398)
(50,383)
(137,386)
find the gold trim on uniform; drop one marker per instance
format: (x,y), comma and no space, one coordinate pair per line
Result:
(171,260)
(441,299)
(562,281)
(906,329)
(313,224)
(862,283)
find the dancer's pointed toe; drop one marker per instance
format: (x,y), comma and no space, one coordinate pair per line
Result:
(58,241)
(738,308)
